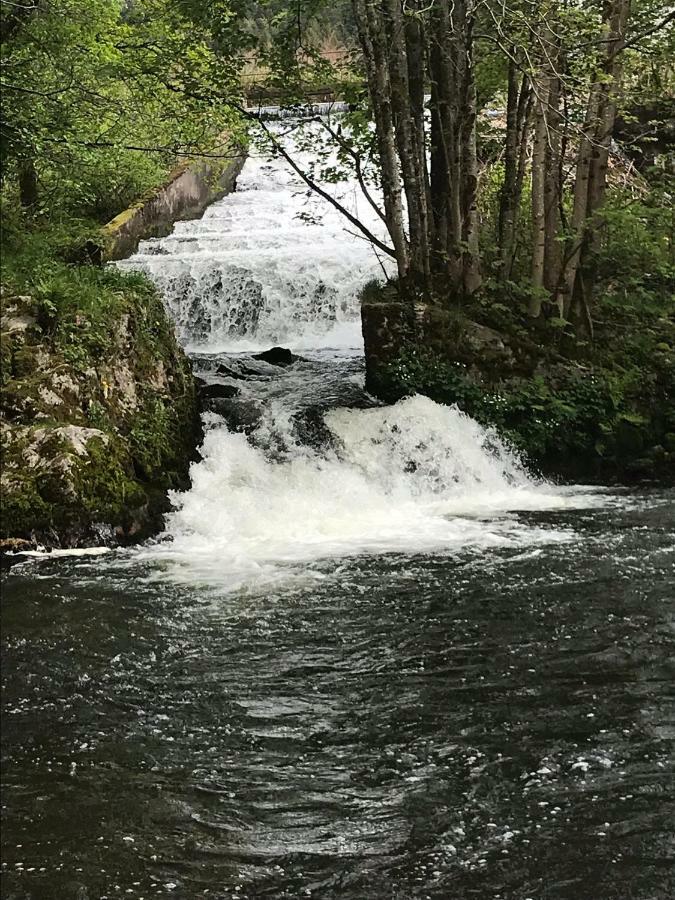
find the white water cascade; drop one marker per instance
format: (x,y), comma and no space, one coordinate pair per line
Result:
(270,265)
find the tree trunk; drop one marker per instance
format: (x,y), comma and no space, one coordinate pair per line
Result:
(471,275)
(441,245)
(371,35)
(515,147)
(538,200)
(412,170)
(28,183)
(591,175)
(552,188)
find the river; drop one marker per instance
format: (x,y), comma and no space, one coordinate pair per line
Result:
(372,656)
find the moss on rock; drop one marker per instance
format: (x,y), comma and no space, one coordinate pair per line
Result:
(98,406)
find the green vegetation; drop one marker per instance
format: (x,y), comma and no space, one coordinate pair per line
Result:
(100,102)
(98,402)
(603,408)
(96,107)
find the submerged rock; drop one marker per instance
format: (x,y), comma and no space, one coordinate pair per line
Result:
(228,372)
(240,414)
(216,390)
(312,431)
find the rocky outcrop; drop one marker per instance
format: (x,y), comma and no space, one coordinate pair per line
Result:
(600,417)
(98,418)
(392,328)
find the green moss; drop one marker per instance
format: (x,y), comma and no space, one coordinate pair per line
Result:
(104,483)
(93,325)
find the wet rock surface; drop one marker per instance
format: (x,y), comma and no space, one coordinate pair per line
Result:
(277,356)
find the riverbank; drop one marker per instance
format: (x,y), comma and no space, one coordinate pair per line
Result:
(99,412)
(603,412)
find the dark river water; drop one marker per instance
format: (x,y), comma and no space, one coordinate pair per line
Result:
(495,723)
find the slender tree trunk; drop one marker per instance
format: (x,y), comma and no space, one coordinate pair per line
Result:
(371,35)
(411,167)
(444,198)
(28,183)
(591,174)
(538,199)
(552,188)
(471,274)
(509,200)
(415,51)
(579,211)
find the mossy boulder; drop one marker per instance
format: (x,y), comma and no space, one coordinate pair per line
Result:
(98,410)
(603,416)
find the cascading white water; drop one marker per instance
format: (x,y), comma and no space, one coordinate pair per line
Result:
(271,263)
(414,477)
(258,269)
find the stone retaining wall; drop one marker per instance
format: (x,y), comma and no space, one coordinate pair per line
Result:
(185,195)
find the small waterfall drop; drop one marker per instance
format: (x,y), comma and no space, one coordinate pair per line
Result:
(415,477)
(305,466)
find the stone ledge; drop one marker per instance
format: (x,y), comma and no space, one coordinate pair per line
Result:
(189,189)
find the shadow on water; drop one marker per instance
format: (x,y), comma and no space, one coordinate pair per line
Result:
(493,724)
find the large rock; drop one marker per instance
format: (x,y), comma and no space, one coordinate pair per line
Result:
(394,330)
(93,433)
(216,390)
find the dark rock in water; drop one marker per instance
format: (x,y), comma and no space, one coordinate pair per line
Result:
(312,430)
(228,372)
(277,356)
(240,415)
(213,391)
(9,548)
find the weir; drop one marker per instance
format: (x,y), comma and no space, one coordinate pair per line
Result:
(299,463)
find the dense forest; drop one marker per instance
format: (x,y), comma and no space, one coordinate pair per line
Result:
(498,133)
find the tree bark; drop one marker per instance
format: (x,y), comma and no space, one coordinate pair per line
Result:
(515,148)
(371,35)
(28,183)
(538,199)
(591,173)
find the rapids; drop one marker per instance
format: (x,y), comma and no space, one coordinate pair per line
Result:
(372,657)
(270,264)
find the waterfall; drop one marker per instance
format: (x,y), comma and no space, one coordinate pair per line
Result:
(415,477)
(272,264)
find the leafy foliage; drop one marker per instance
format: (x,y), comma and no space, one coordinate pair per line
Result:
(100,98)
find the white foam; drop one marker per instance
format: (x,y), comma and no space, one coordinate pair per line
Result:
(271,263)
(56,552)
(415,477)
